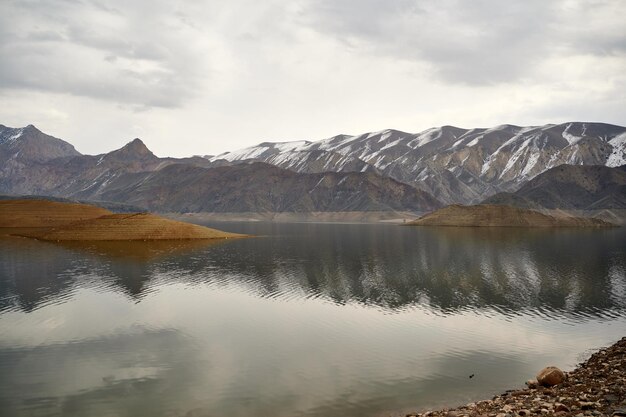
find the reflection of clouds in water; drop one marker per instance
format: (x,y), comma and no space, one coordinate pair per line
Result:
(99,376)
(323,320)
(234,353)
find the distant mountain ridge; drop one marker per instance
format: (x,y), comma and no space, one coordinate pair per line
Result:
(134,175)
(456,165)
(380,171)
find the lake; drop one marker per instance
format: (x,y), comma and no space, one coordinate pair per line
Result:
(303,320)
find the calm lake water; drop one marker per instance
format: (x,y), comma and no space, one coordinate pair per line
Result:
(305,320)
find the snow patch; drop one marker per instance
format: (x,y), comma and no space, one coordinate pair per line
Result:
(457,143)
(246,153)
(474,142)
(571,139)
(532,161)
(385,136)
(16,136)
(391,144)
(516,156)
(426,137)
(618,155)
(290,146)
(11,135)
(487,164)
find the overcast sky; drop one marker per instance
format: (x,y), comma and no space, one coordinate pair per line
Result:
(204,76)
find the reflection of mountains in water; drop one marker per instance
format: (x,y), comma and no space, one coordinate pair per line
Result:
(563,272)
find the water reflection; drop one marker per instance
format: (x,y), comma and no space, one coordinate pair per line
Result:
(307,320)
(570,272)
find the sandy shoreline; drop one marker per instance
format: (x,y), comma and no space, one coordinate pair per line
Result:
(597,387)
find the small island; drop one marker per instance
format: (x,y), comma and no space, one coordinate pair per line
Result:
(60,221)
(491,215)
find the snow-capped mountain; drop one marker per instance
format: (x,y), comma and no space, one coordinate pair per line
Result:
(453,164)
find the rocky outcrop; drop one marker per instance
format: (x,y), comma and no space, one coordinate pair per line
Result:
(486,215)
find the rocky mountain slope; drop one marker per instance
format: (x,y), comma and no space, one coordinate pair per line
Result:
(262,187)
(134,175)
(453,164)
(29,144)
(571,187)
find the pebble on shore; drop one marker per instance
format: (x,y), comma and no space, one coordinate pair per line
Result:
(596,387)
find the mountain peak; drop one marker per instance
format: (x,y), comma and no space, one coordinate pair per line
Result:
(137,145)
(31,129)
(134,149)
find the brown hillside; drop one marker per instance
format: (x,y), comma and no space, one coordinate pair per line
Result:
(501,216)
(138,226)
(42,213)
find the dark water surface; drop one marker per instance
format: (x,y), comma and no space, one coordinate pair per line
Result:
(307,320)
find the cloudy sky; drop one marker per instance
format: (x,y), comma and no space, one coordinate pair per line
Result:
(206,76)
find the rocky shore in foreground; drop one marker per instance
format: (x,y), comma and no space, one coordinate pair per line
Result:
(596,387)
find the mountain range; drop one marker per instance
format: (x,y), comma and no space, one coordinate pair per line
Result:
(381,171)
(134,175)
(455,165)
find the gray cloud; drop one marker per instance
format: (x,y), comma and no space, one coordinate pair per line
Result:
(477,42)
(89,49)
(184,76)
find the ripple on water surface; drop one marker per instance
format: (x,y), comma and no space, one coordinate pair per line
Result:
(308,320)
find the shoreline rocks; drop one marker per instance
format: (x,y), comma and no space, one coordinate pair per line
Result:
(596,387)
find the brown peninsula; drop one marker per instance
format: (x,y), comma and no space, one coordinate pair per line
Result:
(489,215)
(59,221)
